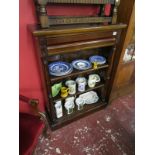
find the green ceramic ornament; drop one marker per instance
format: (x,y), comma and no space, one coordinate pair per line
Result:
(56,89)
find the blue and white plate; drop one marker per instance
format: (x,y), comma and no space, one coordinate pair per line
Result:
(81,64)
(99,59)
(60,68)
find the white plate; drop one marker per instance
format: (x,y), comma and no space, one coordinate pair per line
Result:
(89,97)
(81,64)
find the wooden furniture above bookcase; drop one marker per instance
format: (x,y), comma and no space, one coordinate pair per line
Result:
(67,43)
(47,20)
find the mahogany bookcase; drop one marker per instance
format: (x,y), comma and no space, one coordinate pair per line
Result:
(70,41)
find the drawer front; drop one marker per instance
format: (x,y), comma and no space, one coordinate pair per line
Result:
(83,45)
(70,38)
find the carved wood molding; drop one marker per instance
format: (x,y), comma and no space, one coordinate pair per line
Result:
(77,20)
(82,1)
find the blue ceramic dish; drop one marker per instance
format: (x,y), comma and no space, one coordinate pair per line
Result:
(99,59)
(81,64)
(60,68)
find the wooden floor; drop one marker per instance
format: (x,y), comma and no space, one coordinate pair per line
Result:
(107,132)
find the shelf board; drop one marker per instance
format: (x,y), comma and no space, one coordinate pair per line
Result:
(65,119)
(98,85)
(62,30)
(76,72)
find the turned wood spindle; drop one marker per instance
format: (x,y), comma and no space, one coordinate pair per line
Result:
(115,10)
(43,17)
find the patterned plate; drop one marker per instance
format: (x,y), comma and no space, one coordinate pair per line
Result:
(60,68)
(89,97)
(81,64)
(99,59)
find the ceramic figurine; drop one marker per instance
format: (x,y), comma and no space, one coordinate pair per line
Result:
(58,108)
(56,89)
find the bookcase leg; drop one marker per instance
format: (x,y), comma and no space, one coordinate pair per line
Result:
(115,10)
(42,13)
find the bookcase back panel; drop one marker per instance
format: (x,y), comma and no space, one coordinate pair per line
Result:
(72,10)
(83,54)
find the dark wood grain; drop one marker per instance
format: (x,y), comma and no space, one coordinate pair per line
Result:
(46,20)
(73,47)
(72,29)
(77,20)
(115,10)
(109,73)
(82,1)
(84,46)
(70,38)
(125,72)
(42,12)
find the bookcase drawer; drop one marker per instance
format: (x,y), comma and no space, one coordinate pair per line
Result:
(70,38)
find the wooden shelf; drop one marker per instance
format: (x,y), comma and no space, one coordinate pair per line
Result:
(99,85)
(58,30)
(66,118)
(76,72)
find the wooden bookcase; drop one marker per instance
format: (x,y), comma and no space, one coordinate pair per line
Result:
(67,43)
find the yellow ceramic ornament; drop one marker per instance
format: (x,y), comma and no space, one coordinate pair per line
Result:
(64,91)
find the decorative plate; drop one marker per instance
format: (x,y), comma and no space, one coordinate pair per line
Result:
(81,64)
(60,68)
(99,59)
(89,97)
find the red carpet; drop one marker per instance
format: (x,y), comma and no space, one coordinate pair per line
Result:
(107,132)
